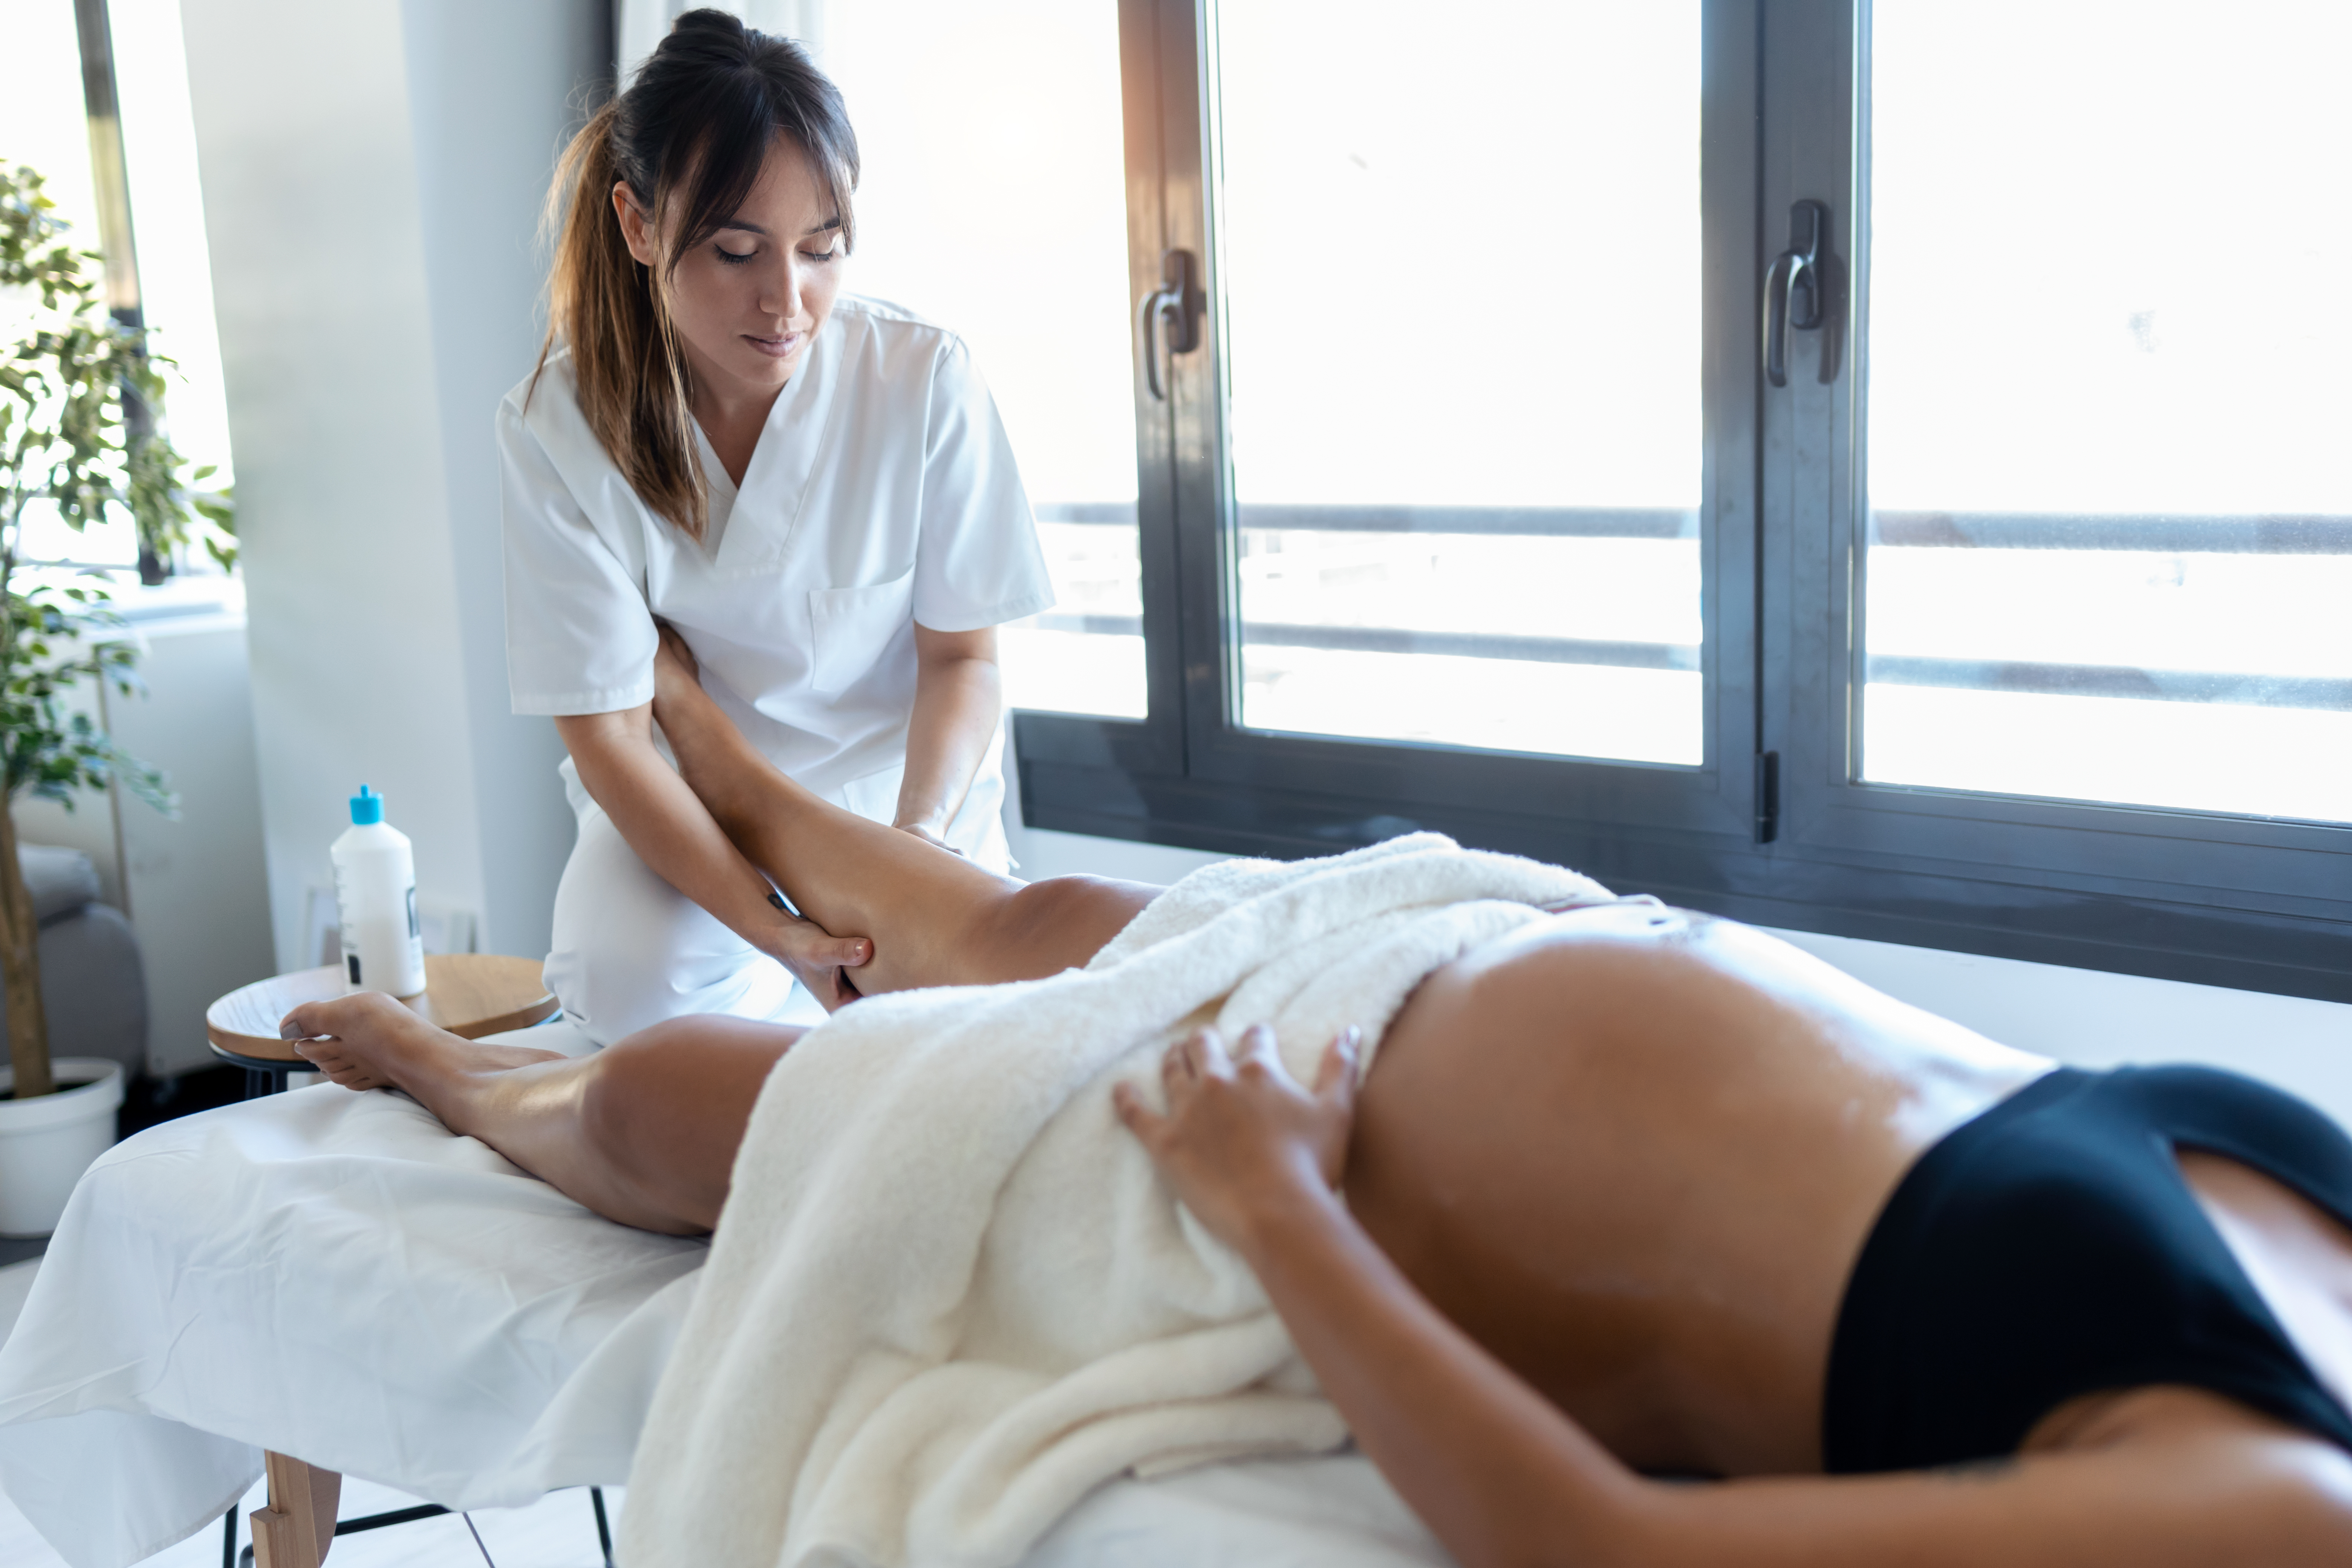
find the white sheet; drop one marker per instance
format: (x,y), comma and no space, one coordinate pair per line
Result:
(331,1275)
(1333,1511)
(337,1277)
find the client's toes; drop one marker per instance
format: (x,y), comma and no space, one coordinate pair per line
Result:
(339,1066)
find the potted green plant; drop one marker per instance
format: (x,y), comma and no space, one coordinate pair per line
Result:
(78,396)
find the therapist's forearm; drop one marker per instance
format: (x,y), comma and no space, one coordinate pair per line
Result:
(669,828)
(958,701)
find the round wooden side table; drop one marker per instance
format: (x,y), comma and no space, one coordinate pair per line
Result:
(468,993)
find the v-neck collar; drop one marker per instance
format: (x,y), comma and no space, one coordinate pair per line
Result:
(766,507)
(718,491)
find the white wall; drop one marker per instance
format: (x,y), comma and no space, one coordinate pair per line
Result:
(194,885)
(2078,1015)
(372,176)
(494,92)
(639,26)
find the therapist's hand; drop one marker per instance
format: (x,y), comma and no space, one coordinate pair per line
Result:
(928,833)
(817,959)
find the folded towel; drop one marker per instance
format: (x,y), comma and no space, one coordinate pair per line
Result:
(949,1295)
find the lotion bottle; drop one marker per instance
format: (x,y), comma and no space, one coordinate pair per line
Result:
(375,893)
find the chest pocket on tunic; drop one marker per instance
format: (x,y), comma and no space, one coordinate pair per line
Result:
(851,627)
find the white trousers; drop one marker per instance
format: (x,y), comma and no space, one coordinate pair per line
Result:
(630,951)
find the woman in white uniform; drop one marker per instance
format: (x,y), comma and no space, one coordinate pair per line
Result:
(813,488)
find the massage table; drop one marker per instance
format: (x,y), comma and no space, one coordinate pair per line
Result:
(336,1280)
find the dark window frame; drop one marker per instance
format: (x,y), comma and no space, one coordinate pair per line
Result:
(1771,827)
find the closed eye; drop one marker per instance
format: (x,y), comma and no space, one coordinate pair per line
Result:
(733,258)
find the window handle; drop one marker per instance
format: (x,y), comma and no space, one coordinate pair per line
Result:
(1794,288)
(1174,305)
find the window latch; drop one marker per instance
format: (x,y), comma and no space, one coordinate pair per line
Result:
(1798,289)
(1174,305)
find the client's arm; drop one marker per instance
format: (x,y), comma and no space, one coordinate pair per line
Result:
(1504,1477)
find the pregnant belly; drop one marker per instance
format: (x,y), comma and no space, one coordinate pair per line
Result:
(1636,1161)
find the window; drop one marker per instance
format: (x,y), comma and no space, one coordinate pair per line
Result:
(2044,663)
(1977,583)
(993,200)
(1465,510)
(2106,548)
(144,157)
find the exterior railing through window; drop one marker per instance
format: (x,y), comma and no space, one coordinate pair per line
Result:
(2160,537)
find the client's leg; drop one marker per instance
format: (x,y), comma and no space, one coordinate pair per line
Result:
(643,1132)
(935,918)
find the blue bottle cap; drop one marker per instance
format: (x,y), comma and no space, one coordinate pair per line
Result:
(367,810)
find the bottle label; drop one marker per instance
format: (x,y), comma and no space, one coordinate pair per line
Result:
(343,926)
(384,952)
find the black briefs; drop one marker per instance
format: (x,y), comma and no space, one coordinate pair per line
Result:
(2051,1248)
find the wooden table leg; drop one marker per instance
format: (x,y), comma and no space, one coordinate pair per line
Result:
(298,1526)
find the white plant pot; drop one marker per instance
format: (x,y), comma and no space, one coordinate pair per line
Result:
(46,1143)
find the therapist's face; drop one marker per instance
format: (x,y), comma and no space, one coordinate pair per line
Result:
(748,301)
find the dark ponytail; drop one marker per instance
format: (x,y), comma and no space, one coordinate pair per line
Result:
(689,137)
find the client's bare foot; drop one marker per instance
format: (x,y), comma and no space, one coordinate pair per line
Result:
(369,1041)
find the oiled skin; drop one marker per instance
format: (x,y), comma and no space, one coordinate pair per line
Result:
(1634,1151)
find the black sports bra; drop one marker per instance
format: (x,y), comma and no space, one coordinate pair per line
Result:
(2051,1248)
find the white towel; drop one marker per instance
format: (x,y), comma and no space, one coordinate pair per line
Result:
(949,1295)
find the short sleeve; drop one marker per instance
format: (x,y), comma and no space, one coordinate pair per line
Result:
(977,563)
(579,637)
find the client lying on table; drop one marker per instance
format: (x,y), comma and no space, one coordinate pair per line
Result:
(1630,1191)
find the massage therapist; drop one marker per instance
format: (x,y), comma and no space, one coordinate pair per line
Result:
(813,488)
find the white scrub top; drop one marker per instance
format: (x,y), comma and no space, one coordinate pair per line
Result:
(882,492)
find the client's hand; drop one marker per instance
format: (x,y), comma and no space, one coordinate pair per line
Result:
(1241,1138)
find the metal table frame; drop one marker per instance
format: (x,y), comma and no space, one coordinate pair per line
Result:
(231,1557)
